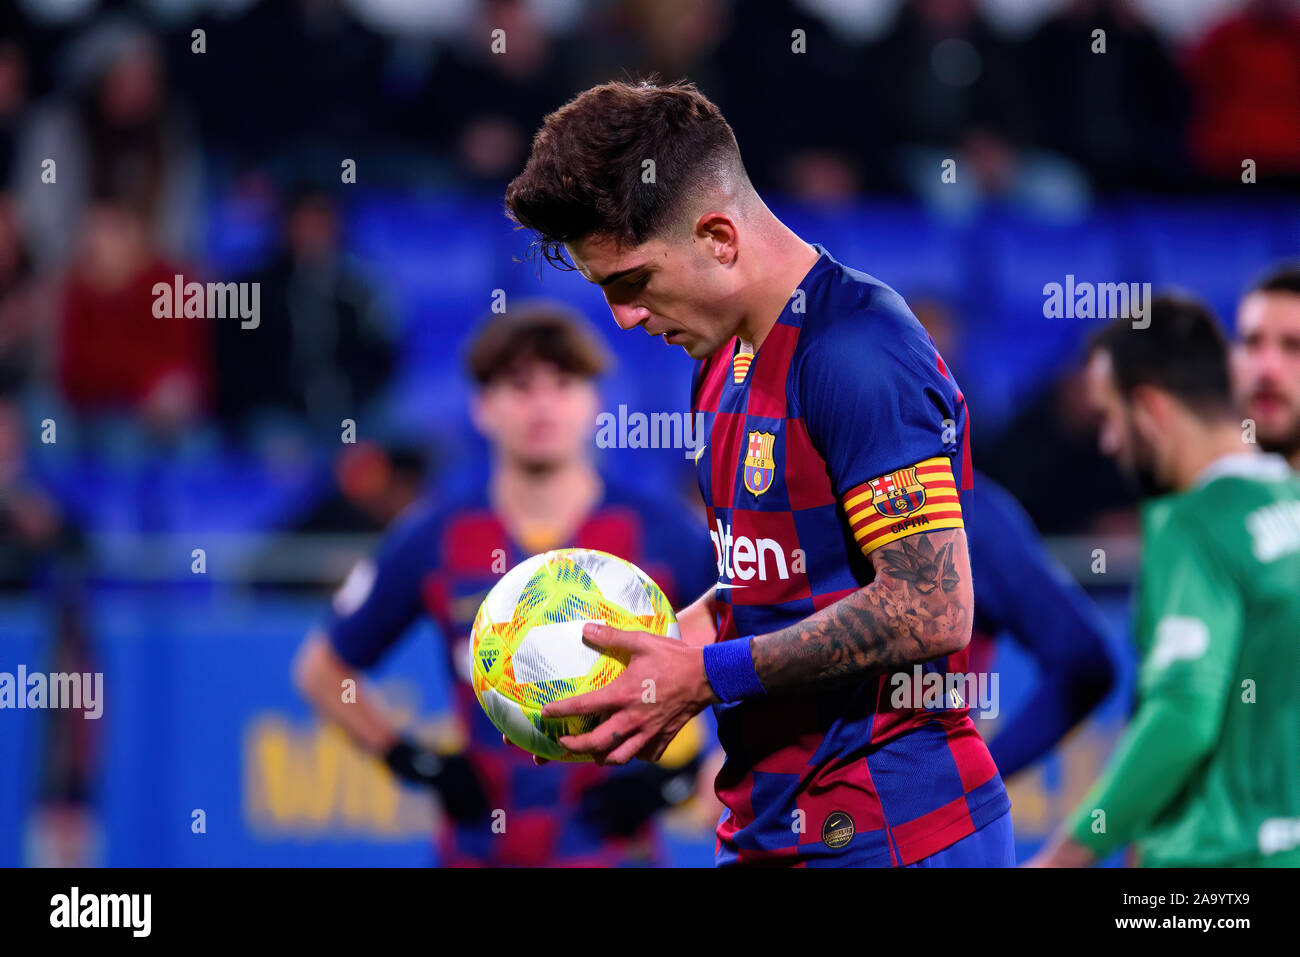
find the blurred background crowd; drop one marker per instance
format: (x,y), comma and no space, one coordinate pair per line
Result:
(127,440)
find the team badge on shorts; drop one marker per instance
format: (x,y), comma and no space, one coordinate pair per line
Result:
(760,466)
(837,829)
(897,493)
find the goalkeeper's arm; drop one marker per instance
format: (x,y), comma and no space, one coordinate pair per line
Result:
(319,674)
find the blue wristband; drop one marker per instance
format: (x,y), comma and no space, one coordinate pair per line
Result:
(729,666)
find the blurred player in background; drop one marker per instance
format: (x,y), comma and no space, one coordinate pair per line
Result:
(1023,593)
(1266,360)
(1206,774)
(536,403)
(837,444)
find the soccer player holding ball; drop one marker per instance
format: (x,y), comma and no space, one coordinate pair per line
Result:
(836,456)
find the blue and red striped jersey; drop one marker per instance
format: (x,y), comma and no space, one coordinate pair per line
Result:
(441,562)
(843,433)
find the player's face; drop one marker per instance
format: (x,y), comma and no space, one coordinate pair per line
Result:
(1119,432)
(536,414)
(1266,368)
(676,290)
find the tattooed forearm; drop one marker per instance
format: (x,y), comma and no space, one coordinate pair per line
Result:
(920,607)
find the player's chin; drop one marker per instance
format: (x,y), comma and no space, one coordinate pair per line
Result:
(1278,429)
(698,348)
(541,458)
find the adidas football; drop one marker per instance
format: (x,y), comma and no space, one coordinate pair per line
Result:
(526,644)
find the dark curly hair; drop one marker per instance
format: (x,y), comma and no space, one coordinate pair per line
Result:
(585,173)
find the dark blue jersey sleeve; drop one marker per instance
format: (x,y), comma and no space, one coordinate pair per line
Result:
(1020,590)
(382,597)
(873,392)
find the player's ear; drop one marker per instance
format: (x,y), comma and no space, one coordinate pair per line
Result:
(1152,410)
(478,413)
(591,396)
(718,231)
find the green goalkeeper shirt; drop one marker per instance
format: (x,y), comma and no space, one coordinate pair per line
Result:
(1208,771)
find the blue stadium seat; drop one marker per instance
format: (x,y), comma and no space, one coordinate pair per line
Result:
(436,260)
(1212,251)
(905,248)
(240,234)
(1016,258)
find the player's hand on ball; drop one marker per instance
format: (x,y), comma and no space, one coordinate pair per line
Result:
(663,687)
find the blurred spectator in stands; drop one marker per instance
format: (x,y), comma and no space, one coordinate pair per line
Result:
(116,132)
(39,32)
(1047,457)
(13,100)
(1245,75)
(42,550)
(956,92)
(371,485)
(65,829)
(671,38)
(787,108)
(1122,112)
(949,74)
(114,355)
(26,309)
(42,553)
(38,544)
(322,349)
(296,82)
(481,107)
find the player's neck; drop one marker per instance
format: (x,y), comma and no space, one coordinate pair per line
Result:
(543,508)
(1204,448)
(786,260)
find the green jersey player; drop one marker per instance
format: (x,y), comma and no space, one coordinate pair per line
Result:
(1208,771)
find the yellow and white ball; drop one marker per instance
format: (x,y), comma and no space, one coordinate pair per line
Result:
(526,645)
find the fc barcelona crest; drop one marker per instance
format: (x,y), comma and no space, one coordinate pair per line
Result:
(897,493)
(760,466)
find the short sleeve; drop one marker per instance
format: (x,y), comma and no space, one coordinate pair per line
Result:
(381,598)
(885,414)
